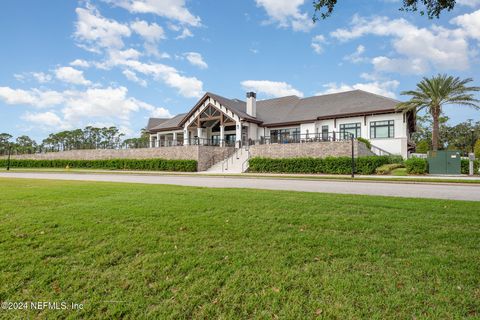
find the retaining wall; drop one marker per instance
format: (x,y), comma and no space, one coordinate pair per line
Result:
(205,155)
(310,149)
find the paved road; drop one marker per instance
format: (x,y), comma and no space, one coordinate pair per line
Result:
(436,191)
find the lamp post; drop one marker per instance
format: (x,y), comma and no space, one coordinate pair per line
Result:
(473,140)
(352,138)
(8,159)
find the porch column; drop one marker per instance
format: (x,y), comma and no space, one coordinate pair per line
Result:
(238,135)
(222,136)
(174,143)
(186,137)
(151,141)
(199,134)
(158,140)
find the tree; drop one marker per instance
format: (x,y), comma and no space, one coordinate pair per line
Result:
(477,149)
(25,145)
(433,8)
(4,142)
(434,93)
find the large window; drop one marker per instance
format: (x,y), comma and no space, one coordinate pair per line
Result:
(350,128)
(382,129)
(285,135)
(324,133)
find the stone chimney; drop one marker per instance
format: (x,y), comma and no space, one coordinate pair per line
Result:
(252,104)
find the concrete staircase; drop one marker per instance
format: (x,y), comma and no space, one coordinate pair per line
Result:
(236,163)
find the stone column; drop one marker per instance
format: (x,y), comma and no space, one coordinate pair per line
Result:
(222,136)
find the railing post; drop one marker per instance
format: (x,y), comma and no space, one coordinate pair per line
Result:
(353,155)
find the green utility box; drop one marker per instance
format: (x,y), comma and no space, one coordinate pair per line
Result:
(444,162)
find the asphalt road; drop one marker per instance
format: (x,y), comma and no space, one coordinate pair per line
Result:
(397,189)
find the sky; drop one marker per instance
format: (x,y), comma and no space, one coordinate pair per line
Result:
(69,64)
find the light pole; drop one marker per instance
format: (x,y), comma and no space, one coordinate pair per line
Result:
(8,159)
(352,138)
(473,140)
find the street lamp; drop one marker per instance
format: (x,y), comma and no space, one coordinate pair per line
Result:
(473,140)
(8,159)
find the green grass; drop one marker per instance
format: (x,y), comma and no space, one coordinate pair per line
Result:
(167,252)
(399,172)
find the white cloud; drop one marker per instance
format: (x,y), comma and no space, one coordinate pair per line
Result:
(435,46)
(469,22)
(44,119)
(196,59)
(42,77)
(356,57)
(317,43)
(186,33)
(382,88)
(403,66)
(80,63)
(287,14)
(150,32)
(97,31)
(34,97)
(71,75)
(469,3)
(132,76)
(160,113)
(271,88)
(170,9)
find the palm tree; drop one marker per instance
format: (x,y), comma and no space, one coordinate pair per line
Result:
(434,93)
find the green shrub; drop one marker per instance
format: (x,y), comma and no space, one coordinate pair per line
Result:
(388,168)
(111,164)
(476,149)
(366,141)
(422,146)
(466,166)
(330,165)
(416,166)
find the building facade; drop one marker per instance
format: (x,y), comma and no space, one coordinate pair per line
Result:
(218,121)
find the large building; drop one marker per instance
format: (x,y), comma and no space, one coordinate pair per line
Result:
(219,121)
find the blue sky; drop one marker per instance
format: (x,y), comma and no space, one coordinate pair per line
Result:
(68,64)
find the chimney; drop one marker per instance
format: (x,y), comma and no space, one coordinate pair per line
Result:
(252,104)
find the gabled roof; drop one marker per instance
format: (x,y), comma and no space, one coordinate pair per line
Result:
(343,104)
(153,122)
(292,109)
(170,124)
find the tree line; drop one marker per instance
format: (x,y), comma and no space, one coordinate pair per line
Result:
(78,139)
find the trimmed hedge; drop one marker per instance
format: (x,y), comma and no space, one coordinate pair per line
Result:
(330,165)
(388,168)
(111,164)
(466,164)
(416,166)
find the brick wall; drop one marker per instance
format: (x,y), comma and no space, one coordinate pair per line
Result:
(205,155)
(311,149)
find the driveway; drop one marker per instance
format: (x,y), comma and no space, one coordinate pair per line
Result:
(397,189)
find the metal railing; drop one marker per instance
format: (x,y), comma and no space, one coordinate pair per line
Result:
(379,151)
(302,138)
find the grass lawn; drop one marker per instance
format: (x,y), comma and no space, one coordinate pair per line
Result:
(155,252)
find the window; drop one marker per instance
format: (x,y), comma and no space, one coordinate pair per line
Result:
(350,128)
(324,133)
(382,129)
(285,135)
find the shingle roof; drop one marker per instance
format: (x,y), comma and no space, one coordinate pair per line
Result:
(153,122)
(172,123)
(293,109)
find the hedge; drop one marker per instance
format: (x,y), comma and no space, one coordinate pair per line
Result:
(112,164)
(466,166)
(330,165)
(416,166)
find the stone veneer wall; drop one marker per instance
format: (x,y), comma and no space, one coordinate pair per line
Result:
(310,149)
(205,155)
